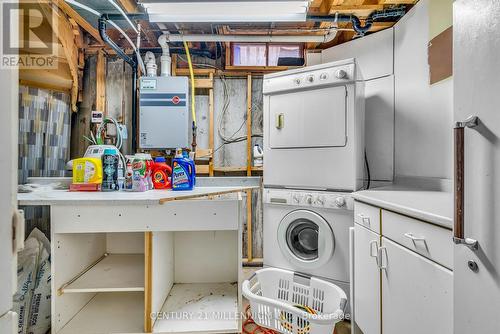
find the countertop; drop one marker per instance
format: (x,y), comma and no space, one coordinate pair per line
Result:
(429,205)
(64,197)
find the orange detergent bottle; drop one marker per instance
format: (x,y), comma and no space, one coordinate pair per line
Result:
(161,174)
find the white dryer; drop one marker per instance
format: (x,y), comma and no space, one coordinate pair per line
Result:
(314,127)
(308,232)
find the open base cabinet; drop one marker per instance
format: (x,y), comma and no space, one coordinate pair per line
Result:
(147,282)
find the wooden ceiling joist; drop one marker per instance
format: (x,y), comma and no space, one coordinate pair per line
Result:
(84,24)
(130,6)
(64,32)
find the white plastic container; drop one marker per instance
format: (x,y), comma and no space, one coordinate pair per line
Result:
(275,295)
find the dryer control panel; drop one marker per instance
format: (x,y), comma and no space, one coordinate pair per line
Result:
(304,198)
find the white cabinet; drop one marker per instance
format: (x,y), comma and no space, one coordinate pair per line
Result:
(366,280)
(396,287)
(416,293)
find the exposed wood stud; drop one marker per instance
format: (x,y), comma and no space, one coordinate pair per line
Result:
(249,168)
(211,125)
(148,281)
(101,83)
(64,32)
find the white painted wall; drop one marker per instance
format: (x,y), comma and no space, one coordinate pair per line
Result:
(423,122)
(374,54)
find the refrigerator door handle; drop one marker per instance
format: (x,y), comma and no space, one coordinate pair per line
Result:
(459,143)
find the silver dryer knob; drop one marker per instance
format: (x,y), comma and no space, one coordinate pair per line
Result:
(340,202)
(341,74)
(309,199)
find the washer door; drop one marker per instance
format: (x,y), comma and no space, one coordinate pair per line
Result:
(306,239)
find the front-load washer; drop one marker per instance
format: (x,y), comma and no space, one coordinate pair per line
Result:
(308,232)
(315,115)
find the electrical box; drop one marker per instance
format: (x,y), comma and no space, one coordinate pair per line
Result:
(164,113)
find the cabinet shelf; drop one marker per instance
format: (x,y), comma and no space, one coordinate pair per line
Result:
(211,308)
(114,273)
(121,312)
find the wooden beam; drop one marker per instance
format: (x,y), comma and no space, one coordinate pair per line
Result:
(249,168)
(355,8)
(148,281)
(68,10)
(130,6)
(398,2)
(211,126)
(100,103)
(64,32)
(203,83)
(249,125)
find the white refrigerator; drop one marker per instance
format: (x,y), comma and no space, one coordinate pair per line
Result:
(477,166)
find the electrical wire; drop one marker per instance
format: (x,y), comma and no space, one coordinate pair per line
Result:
(250,327)
(225,107)
(96,13)
(114,4)
(367,171)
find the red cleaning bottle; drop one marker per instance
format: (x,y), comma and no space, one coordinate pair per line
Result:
(161,174)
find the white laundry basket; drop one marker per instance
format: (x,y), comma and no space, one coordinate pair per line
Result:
(278,299)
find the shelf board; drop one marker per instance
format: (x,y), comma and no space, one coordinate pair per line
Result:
(236,169)
(121,312)
(114,273)
(213,308)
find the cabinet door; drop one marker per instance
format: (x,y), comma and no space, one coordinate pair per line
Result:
(416,293)
(366,280)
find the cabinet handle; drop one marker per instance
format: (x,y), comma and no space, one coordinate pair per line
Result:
(382,253)
(280,121)
(374,250)
(459,171)
(414,238)
(364,219)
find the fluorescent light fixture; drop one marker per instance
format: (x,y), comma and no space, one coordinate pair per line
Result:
(226,10)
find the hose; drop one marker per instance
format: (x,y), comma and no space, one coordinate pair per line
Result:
(250,327)
(191,74)
(193,105)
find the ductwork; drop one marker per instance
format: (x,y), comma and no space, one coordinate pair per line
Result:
(150,62)
(165,59)
(252,38)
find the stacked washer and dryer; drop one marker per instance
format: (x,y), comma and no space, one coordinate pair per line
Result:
(314,159)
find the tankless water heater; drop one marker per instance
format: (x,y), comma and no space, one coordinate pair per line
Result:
(164,113)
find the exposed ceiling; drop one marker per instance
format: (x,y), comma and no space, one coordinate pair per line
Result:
(361,8)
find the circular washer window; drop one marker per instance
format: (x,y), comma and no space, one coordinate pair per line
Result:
(306,239)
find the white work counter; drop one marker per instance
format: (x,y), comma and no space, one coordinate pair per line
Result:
(153,262)
(432,206)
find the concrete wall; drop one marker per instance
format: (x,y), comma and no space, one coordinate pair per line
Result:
(374,54)
(423,128)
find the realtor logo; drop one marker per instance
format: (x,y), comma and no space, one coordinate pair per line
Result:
(28,38)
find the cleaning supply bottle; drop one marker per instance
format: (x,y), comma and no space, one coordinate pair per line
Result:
(190,159)
(161,174)
(87,171)
(182,172)
(258,156)
(110,170)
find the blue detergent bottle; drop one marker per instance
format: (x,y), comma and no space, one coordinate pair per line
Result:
(193,166)
(182,172)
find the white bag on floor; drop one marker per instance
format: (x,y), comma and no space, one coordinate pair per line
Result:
(26,273)
(39,315)
(32,299)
